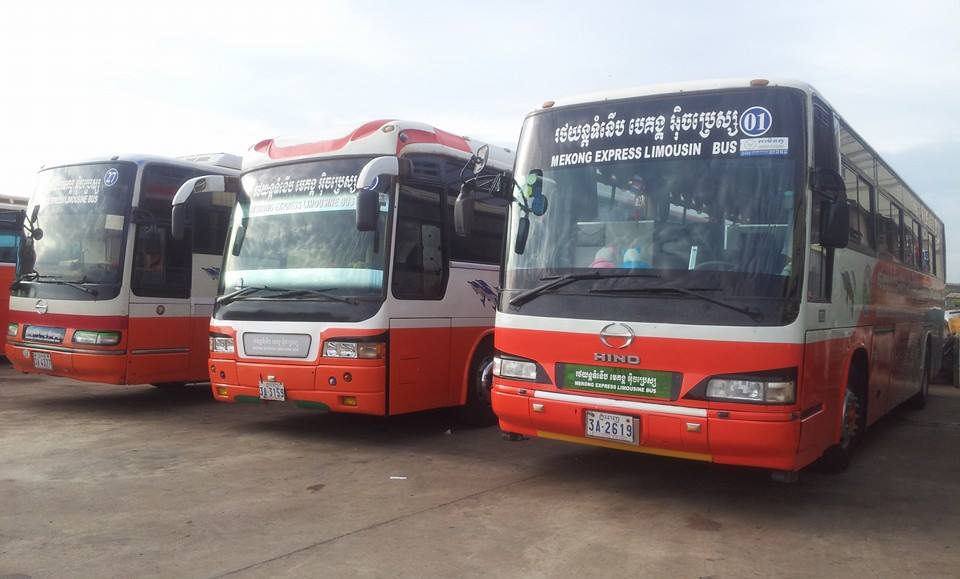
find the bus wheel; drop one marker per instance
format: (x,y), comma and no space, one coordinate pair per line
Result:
(478,410)
(919,400)
(169,385)
(837,458)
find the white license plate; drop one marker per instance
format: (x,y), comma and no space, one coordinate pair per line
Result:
(616,427)
(42,361)
(272,390)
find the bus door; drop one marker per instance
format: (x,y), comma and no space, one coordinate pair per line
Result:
(160,337)
(419,326)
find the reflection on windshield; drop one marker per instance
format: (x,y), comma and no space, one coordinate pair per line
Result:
(727,215)
(83,215)
(299,231)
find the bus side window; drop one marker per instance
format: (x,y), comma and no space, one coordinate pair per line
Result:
(484,244)
(826,155)
(161,264)
(420,267)
(210,230)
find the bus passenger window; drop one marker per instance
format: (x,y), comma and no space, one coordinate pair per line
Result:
(419,268)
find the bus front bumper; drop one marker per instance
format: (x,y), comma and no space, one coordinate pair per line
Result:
(746,438)
(105,367)
(359,389)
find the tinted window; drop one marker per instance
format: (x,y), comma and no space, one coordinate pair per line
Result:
(485,241)
(161,264)
(419,263)
(859,197)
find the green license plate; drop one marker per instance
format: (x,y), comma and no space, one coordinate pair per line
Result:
(621,381)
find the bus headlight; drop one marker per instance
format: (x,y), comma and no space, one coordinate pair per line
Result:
(743,390)
(361,350)
(12,329)
(513,368)
(94,338)
(221,344)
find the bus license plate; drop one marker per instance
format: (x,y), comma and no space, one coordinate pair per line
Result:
(42,361)
(272,390)
(616,427)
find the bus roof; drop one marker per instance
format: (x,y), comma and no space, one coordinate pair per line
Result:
(379,137)
(225,163)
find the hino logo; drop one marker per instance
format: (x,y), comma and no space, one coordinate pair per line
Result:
(41,307)
(618,358)
(617,335)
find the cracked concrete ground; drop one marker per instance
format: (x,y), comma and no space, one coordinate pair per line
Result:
(109,481)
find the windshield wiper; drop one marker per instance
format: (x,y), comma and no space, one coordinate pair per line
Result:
(752,313)
(554,282)
(247,289)
(34,276)
(324,293)
(283,293)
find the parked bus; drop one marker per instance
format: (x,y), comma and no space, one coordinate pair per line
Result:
(343,288)
(717,271)
(11,232)
(104,293)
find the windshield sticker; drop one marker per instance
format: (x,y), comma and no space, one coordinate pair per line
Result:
(323,185)
(707,126)
(113,222)
(764,146)
(755,121)
(76,191)
(111,177)
(303,205)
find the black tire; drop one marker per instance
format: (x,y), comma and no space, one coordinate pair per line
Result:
(478,411)
(169,385)
(919,400)
(853,422)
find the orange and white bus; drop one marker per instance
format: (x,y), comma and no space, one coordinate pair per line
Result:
(343,287)
(717,271)
(104,293)
(11,233)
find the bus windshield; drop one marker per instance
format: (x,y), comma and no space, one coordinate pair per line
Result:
(299,232)
(83,214)
(672,189)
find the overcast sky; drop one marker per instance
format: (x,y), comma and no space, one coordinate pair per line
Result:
(79,80)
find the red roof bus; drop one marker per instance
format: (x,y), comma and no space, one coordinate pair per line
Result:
(104,293)
(343,288)
(11,232)
(719,271)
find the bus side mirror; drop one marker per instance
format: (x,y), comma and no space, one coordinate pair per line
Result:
(463,211)
(368,198)
(211,189)
(835,224)
(523,231)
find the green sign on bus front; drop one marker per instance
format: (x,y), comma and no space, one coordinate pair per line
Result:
(611,380)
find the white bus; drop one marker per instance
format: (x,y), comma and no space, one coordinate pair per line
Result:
(104,293)
(343,287)
(718,271)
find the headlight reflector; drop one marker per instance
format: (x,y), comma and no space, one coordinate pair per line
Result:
(361,350)
(12,329)
(95,338)
(780,392)
(512,368)
(222,344)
